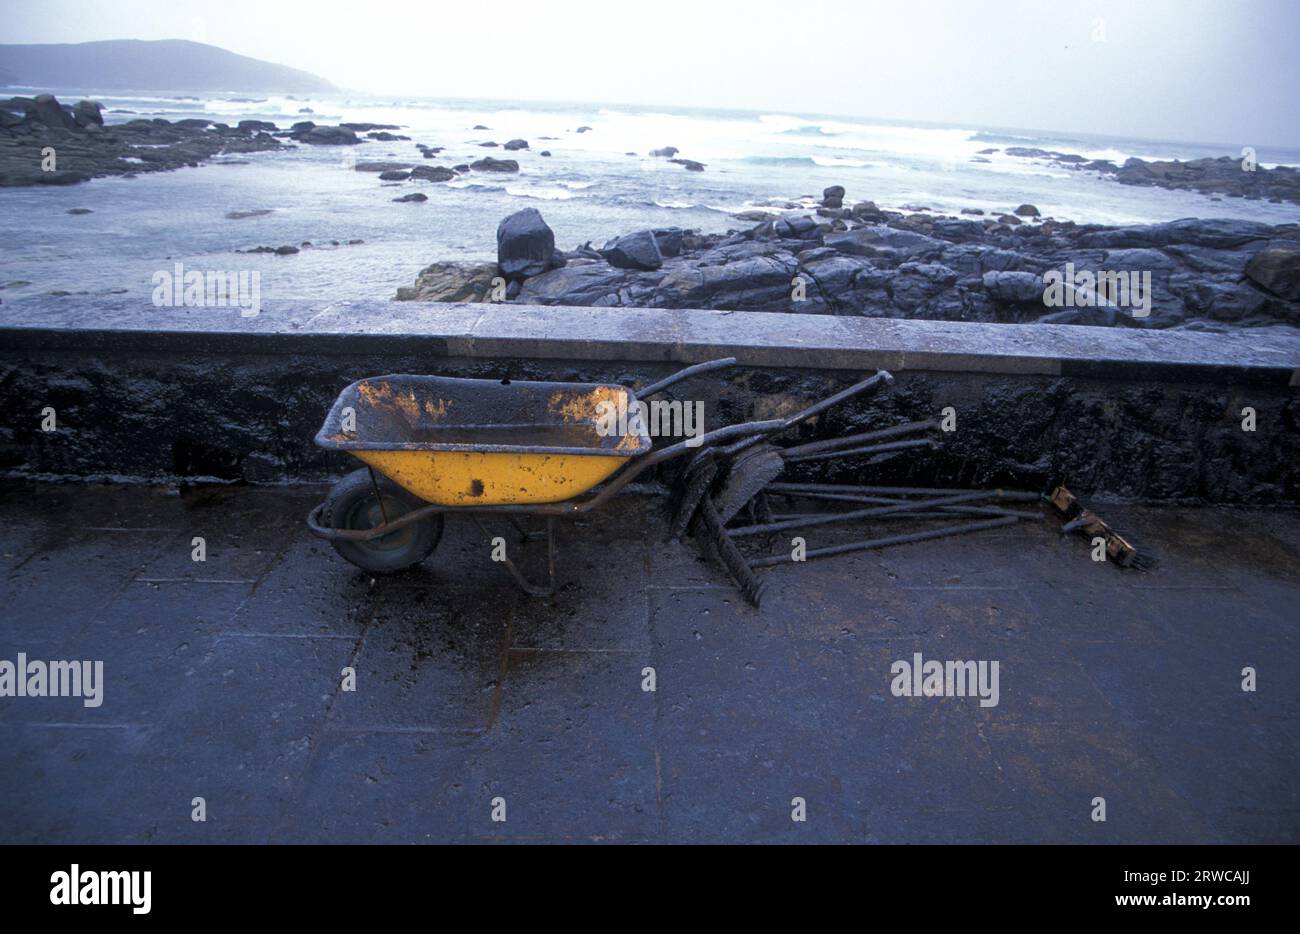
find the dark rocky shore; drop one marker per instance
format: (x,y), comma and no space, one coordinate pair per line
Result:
(1204,274)
(85,148)
(836,257)
(1226,175)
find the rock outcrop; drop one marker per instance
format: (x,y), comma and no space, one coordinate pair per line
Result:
(1277,271)
(638,250)
(489,164)
(433,173)
(452,282)
(85,148)
(1210,274)
(1237,176)
(308,132)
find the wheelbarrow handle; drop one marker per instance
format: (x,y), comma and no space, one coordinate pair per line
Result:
(683,374)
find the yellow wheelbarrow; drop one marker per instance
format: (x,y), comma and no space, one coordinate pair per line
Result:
(435,445)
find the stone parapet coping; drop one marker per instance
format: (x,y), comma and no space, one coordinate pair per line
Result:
(760,339)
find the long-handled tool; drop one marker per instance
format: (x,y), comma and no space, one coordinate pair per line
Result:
(889,504)
(727,480)
(752,462)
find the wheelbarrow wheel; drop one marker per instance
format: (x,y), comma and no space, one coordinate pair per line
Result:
(352,504)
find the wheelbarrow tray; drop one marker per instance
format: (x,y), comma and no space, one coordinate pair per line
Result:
(483,442)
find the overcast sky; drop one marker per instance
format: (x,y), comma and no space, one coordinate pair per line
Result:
(1203,70)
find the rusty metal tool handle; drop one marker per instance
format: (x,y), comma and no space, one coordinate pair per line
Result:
(880,434)
(873,543)
(865,450)
(871,385)
(683,374)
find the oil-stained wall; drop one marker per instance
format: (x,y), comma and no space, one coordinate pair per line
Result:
(168,416)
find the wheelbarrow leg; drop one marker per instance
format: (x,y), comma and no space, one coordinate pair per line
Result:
(524,583)
(524,534)
(374,485)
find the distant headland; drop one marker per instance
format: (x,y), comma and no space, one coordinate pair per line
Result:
(140,65)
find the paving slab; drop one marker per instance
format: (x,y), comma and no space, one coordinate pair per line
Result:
(644,701)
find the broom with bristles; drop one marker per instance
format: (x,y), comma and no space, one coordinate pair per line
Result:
(1121,547)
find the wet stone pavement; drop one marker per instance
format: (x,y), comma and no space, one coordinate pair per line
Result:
(222,680)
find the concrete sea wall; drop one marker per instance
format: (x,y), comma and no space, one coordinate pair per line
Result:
(148,394)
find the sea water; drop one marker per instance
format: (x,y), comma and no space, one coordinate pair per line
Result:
(589,189)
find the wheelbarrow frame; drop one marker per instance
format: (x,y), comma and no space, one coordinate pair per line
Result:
(742,432)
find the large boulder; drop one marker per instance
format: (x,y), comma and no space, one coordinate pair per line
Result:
(833,275)
(432,173)
(1277,269)
(670,240)
(797,228)
(885,241)
(451,282)
(46,109)
(757,283)
(87,113)
(916,287)
(867,210)
(525,245)
(956,230)
(17,105)
(725,252)
(1235,301)
(833,197)
(516,144)
(329,136)
(638,250)
(1014,286)
(585,284)
(488,164)
(1206,260)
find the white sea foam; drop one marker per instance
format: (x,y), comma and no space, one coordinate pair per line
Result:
(545,194)
(479,186)
(829,161)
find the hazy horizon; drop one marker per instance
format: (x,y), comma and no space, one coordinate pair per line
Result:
(1165,70)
